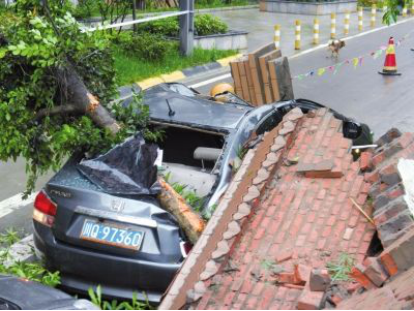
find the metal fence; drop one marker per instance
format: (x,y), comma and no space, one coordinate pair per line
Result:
(186,21)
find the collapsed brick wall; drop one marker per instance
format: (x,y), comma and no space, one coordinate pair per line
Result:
(397,295)
(223,229)
(392,215)
(304,220)
(386,168)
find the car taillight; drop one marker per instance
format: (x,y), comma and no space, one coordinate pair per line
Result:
(44,209)
(185,248)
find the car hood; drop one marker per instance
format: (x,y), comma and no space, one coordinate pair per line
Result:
(192,111)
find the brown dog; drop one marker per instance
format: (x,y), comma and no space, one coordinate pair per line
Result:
(334,46)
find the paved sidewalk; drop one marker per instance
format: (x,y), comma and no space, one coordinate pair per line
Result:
(260,26)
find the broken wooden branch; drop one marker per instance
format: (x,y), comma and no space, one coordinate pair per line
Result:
(64,109)
(362,211)
(191,222)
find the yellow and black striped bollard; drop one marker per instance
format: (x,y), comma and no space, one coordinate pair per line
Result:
(333,25)
(373,14)
(346,23)
(297,34)
(360,18)
(277,37)
(404,11)
(316,31)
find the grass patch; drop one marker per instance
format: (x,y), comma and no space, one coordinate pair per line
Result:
(33,271)
(210,4)
(341,269)
(132,69)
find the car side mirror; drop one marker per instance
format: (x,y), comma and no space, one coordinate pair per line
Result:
(351,130)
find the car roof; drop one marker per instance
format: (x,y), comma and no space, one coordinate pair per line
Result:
(192,110)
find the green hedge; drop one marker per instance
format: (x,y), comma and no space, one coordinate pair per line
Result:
(204,24)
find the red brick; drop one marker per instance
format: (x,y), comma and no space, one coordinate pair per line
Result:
(358,275)
(283,256)
(326,232)
(376,273)
(353,221)
(313,237)
(366,161)
(302,274)
(321,244)
(372,177)
(321,194)
(260,233)
(237,283)
(280,238)
(277,199)
(271,210)
(331,221)
(336,209)
(252,302)
(228,298)
(336,299)
(379,158)
(286,277)
(204,301)
(311,217)
(319,280)
(405,140)
(247,287)
(310,300)
(267,297)
(306,228)
(258,288)
(352,287)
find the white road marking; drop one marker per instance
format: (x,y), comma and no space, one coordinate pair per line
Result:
(207,82)
(15,202)
(321,46)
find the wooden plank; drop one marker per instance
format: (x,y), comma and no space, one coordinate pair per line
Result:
(273,81)
(236,78)
(268,95)
(280,78)
(255,71)
(243,80)
(250,84)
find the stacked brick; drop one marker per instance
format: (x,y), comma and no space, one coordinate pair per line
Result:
(302,219)
(394,221)
(395,295)
(391,212)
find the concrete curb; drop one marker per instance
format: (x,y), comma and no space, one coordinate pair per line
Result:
(231,8)
(185,73)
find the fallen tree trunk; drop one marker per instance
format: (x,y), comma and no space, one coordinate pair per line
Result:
(79,99)
(79,96)
(192,223)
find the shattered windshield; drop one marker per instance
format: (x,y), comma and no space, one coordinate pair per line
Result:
(126,169)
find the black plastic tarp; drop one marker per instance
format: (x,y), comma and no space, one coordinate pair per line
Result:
(126,169)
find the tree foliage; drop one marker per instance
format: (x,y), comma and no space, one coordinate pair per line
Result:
(390,16)
(39,40)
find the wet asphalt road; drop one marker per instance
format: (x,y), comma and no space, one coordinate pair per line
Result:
(361,93)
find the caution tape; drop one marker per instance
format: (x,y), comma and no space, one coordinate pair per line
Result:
(355,61)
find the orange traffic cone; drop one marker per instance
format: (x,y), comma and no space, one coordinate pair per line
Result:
(390,64)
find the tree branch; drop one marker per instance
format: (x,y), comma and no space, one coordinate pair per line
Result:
(65,109)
